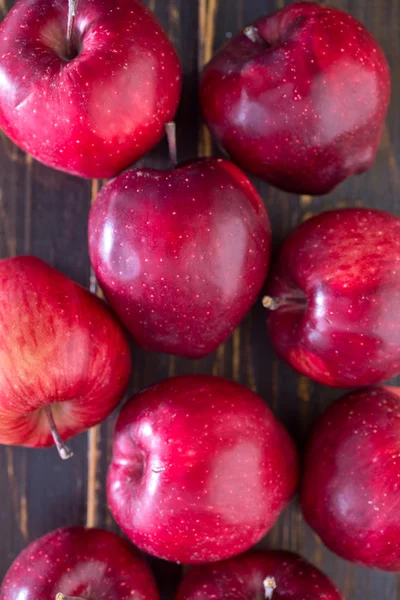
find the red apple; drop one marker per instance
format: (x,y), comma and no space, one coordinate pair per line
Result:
(201,469)
(181,255)
(275,574)
(88,94)
(351,487)
(79,564)
(64,360)
(299,97)
(335,295)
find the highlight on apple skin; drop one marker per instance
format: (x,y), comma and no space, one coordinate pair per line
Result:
(76,563)
(64,359)
(181,255)
(351,485)
(201,469)
(88,94)
(333,297)
(264,575)
(299,97)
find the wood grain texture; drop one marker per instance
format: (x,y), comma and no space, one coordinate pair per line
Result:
(45,213)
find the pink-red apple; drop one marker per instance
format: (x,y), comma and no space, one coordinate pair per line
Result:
(201,469)
(335,298)
(351,486)
(64,360)
(181,255)
(276,575)
(88,94)
(299,97)
(79,564)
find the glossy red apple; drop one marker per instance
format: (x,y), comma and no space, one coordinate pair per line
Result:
(64,360)
(201,469)
(181,255)
(299,97)
(256,576)
(91,94)
(79,564)
(351,486)
(335,295)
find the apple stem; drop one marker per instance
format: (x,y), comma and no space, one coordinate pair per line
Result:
(72,8)
(269,587)
(62,448)
(275,303)
(272,303)
(62,597)
(253,34)
(171,136)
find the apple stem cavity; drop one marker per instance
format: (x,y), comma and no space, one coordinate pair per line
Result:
(62,448)
(171,136)
(269,587)
(62,597)
(253,34)
(72,8)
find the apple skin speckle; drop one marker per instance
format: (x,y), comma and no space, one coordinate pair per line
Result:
(302,105)
(244,577)
(97,113)
(181,255)
(201,469)
(340,275)
(78,562)
(351,485)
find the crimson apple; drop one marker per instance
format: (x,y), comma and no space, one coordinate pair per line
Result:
(351,486)
(64,360)
(275,574)
(181,255)
(88,94)
(201,469)
(335,298)
(299,97)
(79,564)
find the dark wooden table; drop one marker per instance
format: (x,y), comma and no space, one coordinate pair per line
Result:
(43,212)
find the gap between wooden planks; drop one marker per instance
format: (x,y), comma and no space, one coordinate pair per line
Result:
(94,434)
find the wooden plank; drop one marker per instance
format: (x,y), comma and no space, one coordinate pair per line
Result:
(45,213)
(39,493)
